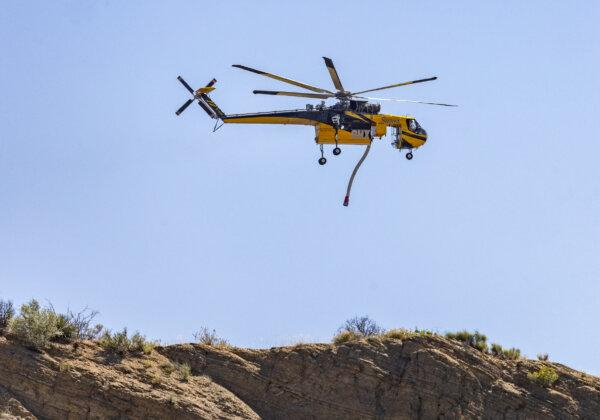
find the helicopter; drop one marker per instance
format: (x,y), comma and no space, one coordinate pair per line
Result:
(352,120)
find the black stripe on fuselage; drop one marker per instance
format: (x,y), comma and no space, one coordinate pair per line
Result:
(319,116)
(414,136)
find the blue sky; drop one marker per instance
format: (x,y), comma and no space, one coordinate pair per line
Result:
(107,199)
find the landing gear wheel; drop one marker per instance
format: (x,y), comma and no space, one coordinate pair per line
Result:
(322,161)
(409,155)
(337,151)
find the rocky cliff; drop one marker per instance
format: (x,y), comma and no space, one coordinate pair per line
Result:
(419,377)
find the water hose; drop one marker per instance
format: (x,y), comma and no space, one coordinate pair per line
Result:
(347,198)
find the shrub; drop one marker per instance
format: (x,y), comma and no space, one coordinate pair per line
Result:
(7,312)
(36,327)
(399,334)
(184,371)
(121,344)
(496,349)
(543,357)
(137,343)
(346,336)
(167,368)
(79,325)
(209,338)
(475,340)
(68,332)
(117,342)
(363,326)
(424,333)
(155,378)
(545,376)
(512,353)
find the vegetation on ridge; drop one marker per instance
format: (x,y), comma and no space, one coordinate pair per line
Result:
(38,327)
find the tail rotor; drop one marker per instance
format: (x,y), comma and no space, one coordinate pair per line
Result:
(198,95)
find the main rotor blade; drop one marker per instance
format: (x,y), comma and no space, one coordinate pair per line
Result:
(184,83)
(282,79)
(401,100)
(333,73)
(396,85)
(300,94)
(184,106)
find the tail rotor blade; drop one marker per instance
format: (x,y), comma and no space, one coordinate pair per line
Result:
(184,106)
(184,83)
(212,82)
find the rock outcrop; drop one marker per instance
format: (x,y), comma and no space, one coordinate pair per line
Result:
(420,377)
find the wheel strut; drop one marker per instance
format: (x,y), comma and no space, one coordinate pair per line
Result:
(336,150)
(322,160)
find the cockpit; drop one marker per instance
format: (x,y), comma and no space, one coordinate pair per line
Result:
(414,126)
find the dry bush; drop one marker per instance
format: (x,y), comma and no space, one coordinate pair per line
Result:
(78,326)
(363,326)
(399,334)
(185,371)
(209,338)
(7,312)
(345,337)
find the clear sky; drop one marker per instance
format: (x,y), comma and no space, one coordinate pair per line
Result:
(107,199)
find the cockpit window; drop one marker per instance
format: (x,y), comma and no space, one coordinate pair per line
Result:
(414,126)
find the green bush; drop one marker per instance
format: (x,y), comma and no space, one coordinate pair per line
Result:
(543,357)
(475,339)
(35,326)
(209,338)
(496,349)
(120,343)
(512,353)
(117,342)
(424,333)
(7,312)
(68,332)
(545,376)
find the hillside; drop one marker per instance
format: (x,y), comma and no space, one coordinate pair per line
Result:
(419,377)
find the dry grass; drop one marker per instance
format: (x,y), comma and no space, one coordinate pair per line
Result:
(345,337)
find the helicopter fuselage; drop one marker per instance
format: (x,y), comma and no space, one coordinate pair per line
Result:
(343,123)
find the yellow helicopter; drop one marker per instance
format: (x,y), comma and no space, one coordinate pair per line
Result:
(352,120)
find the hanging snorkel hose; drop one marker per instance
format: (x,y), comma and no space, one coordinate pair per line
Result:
(347,198)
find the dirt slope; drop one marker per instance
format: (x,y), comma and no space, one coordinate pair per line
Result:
(421,377)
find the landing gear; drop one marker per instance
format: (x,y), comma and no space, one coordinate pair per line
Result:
(336,150)
(409,155)
(322,161)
